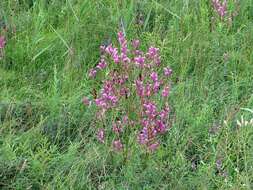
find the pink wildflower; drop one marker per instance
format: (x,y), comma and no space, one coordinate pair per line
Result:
(92,73)
(164,113)
(156,86)
(101,135)
(102,64)
(117,127)
(2,42)
(117,145)
(160,127)
(166,91)
(167,72)
(152,52)
(154,76)
(150,109)
(139,88)
(139,61)
(220,8)
(153,146)
(135,44)
(148,89)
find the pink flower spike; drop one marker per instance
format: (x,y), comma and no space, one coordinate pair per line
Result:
(153,146)
(101,65)
(166,91)
(117,145)
(2,42)
(142,137)
(156,86)
(102,49)
(139,61)
(125,119)
(135,44)
(92,73)
(158,61)
(121,37)
(139,88)
(117,128)
(152,52)
(164,113)
(101,135)
(154,76)
(167,71)
(160,127)
(148,89)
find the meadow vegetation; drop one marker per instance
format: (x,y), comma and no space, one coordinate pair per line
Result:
(48,137)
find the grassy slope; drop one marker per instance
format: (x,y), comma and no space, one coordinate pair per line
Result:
(46,141)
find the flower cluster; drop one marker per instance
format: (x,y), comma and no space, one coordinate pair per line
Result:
(135,91)
(2,42)
(220,8)
(2,45)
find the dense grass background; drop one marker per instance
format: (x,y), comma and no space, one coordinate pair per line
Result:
(47,139)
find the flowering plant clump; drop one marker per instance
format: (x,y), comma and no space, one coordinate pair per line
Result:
(221,9)
(133,99)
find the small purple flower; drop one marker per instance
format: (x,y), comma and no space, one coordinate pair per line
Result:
(146,135)
(154,76)
(152,52)
(125,59)
(137,53)
(125,92)
(139,61)
(148,90)
(150,109)
(101,103)
(113,52)
(153,146)
(102,64)
(116,58)
(121,37)
(166,91)
(2,42)
(101,135)
(125,119)
(117,145)
(124,49)
(156,86)
(143,136)
(113,99)
(92,73)
(167,71)
(160,127)
(139,88)
(164,113)
(220,8)
(135,44)
(117,127)
(145,122)
(157,61)
(219,164)
(123,44)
